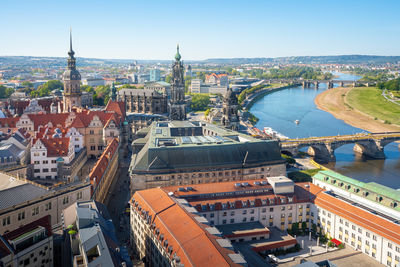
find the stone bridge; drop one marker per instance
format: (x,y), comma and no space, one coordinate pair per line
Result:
(323,148)
(316,83)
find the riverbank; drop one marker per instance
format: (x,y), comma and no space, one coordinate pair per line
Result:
(334,102)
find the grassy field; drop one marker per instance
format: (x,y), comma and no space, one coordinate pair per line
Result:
(369,100)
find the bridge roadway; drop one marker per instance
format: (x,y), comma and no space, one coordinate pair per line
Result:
(323,148)
(308,83)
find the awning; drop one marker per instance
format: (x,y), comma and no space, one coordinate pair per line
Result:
(336,242)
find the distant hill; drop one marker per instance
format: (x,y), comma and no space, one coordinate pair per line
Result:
(23,61)
(343,59)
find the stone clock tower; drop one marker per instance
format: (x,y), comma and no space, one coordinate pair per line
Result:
(177,106)
(72,96)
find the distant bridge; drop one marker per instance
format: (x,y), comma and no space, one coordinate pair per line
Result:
(316,83)
(323,148)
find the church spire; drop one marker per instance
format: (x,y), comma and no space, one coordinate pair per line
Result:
(71,52)
(177,56)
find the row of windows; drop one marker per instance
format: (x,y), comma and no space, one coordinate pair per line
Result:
(45,170)
(44,161)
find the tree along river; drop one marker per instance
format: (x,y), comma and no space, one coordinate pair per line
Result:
(279,111)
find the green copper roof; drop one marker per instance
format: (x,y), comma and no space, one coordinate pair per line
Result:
(322,174)
(177,56)
(383,190)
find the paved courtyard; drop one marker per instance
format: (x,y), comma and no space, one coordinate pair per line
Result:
(346,257)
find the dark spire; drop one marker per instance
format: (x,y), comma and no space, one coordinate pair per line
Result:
(71,52)
(177,56)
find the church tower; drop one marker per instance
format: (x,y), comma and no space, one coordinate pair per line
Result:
(177,106)
(72,96)
(230,106)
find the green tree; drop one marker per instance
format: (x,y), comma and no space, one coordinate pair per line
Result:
(87,88)
(5,92)
(168,78)
(46,88)
(199,102)
(188,81)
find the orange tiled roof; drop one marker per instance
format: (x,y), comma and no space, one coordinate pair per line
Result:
(9,122)
(361,217)
(56,120)
(117,107)
(102,163)
(56,147)
(187,238)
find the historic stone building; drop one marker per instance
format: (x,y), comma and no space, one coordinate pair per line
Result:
(194,152)
(177,107)
(72,96)
(230,107)
(143,101)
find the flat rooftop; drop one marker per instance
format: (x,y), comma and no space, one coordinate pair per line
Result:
(241,228)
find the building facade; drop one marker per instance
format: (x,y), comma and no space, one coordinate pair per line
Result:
(148,101)
(221,155)
(23,202)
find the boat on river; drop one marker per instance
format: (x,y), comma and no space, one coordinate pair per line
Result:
(297,121)
(274,134)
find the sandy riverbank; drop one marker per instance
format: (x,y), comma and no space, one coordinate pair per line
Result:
(333,101)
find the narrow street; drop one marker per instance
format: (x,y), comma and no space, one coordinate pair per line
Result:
(117,199)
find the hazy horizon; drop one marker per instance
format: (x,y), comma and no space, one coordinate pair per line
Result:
(150,30)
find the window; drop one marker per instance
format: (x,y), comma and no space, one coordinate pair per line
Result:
(397,249)
(100,147)
(264,210)
(252,219)
(389,245)
(45,161)
(6,221)
(223,221)
(347,224)
(36,170)
(244,212)
(36,162)
(341,221)
(232,213)
(374,237)
(35,211)
(282,208)
(65,200)
(232,221)
(79,195)
(47,206)
(21,215)
(367,234)
(251,211)
(45,170)
(244,219)
(212,215)
(92,148)
(91,132)
(53,169)
(53,161)
(224,214)
(360,230)
(271,209)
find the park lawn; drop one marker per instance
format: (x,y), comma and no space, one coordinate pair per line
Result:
(369,100)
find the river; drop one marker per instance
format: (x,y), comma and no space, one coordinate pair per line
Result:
(279,110)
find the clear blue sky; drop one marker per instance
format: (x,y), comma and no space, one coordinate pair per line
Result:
(204,29)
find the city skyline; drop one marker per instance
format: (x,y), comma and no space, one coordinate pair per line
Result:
(150,31)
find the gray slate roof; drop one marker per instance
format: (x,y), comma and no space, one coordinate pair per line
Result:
(20,194)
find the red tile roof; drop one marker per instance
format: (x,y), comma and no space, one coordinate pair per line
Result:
(365,219)
(187,238)
(101,165)
(56,120)
(56,147)
(117,107)
(9,122)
